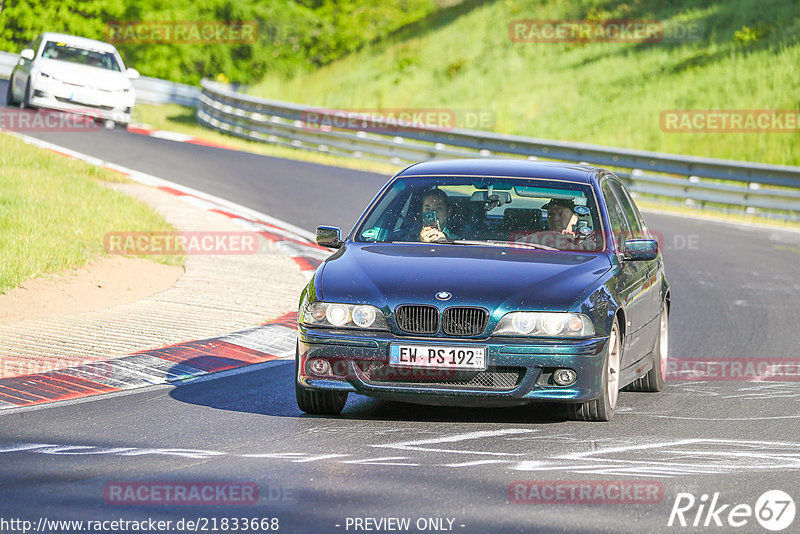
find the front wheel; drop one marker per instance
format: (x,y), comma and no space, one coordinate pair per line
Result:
(26,99)
(320,402)
(602,409)
(317,402)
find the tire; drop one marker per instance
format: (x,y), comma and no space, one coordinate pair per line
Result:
(10,94)
(653,381)
(318,402)
(26,99)
(602,409)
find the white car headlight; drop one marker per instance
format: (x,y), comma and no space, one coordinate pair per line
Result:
(327,314)
(544,324)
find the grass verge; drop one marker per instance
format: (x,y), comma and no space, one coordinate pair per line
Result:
(613,94)
(651,205)
(55,211)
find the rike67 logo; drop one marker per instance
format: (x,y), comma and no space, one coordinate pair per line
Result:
(774,510)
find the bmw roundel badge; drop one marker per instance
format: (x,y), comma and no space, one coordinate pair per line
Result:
(443,295)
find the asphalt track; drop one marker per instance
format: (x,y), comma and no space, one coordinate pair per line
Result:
(734,292)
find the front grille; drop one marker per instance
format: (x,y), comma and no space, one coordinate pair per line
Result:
(498,378)
(68,101)
(464,321)
(417,319)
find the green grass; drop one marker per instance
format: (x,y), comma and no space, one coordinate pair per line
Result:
(606,94)
(181,119)
(55,211)
(649,204)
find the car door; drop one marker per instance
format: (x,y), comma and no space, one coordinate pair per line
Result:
(631,290)
(652,284)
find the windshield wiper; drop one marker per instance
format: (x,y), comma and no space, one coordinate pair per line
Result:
(522,244)
(496,243)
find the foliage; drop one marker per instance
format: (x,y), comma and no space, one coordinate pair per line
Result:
(293,35)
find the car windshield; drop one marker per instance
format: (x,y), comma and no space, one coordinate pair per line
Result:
(490,211)
(82,56)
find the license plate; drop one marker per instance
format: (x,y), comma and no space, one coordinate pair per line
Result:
(437,357)
(81,97)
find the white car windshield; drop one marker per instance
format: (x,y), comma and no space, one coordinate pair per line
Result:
(73,54)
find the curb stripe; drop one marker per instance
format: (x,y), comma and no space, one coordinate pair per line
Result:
(306,264)
(270,341)
(179,138)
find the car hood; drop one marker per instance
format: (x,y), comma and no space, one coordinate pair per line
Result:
(492,277)
(84,74)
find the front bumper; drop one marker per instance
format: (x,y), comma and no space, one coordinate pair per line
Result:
(109,105)
(360,365)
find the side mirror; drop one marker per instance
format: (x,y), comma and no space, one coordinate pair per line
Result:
(639,250)
(132,74)
(27,54)
(329,236)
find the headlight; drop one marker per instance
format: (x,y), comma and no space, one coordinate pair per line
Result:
(43,75)
(544,324)
(328,314)
(338,314)
(364,316)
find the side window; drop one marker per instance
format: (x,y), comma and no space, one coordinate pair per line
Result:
(619,227)
(628,208)
(639,218)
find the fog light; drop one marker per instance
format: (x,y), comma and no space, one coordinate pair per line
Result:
(565,377)
(319,366)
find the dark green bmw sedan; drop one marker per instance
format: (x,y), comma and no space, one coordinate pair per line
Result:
(488,283)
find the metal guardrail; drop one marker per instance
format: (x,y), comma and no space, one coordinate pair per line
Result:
(148,90)
(7,63)
(769,190)
(158,91)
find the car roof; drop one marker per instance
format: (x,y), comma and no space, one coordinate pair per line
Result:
(78,41)
(512,168)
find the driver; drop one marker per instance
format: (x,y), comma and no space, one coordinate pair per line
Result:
(560,216)
(561,232)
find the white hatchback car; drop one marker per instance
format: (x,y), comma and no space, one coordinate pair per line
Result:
(75,74)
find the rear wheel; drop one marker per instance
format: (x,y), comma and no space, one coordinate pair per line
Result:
(10,94)
(654,380)
(602,409)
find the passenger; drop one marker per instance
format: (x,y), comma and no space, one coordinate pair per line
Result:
(438,202)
